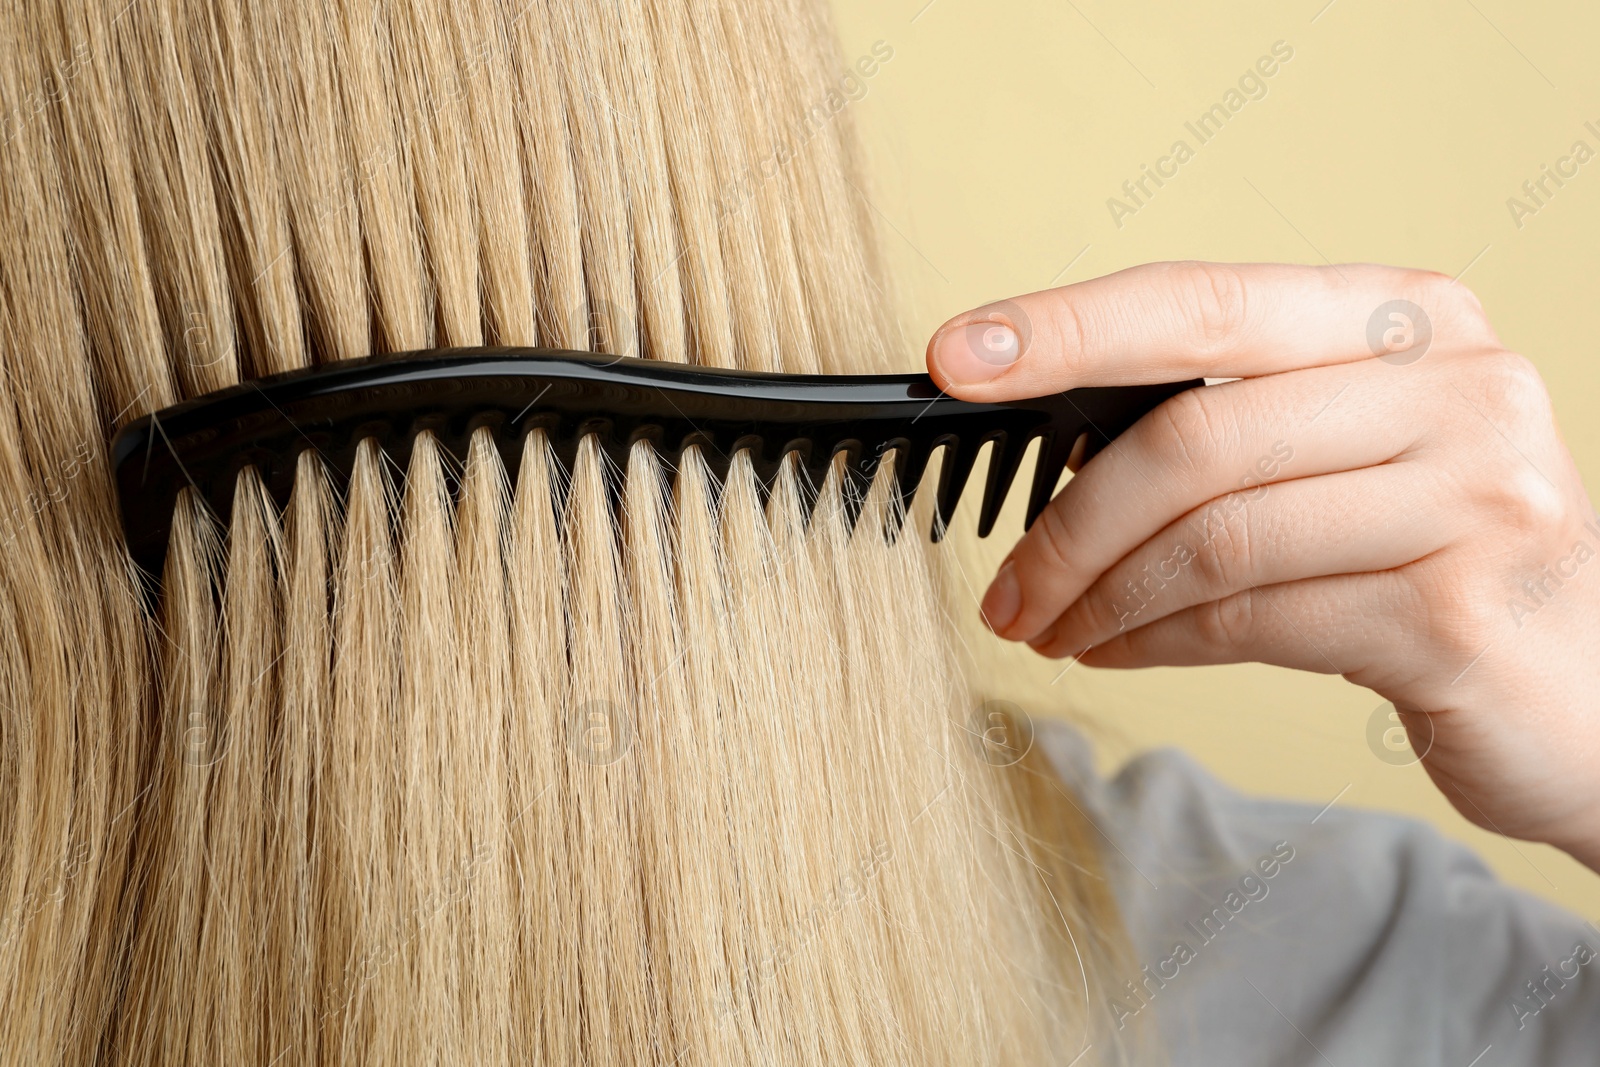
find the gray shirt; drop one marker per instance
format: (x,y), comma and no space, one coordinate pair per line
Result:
(1266,932)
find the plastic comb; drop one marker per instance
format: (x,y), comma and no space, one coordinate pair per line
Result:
(268,422)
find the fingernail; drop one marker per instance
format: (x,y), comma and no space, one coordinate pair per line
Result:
(976,352)
(1003,602)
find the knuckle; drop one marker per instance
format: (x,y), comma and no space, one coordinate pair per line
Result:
(1509,476)
(1513,385)
(1229,622)
(1523,500)
(1214,293)
(1101,612)
(1183,426)
(1224,551)
(1430,283)
(1459,613)
(1453,305)
(1051,537)
(1469,306)
(1069,320)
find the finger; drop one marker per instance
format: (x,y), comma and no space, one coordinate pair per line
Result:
(1172,321)
(1198,446)
(1334,625)
(1352,522)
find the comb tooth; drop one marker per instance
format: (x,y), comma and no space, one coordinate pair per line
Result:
(398,447)
(563,441)
(911,463)
(615,448)
(862,465)
(278,478)
(671,457)
(717,462)
(1053,451)
(508,442)
(613,441)
(764,463)
(765,475)
(955,469)
(851,502)
(217,496)
(717,458)
(456,438)
(852,494)
(1003,464)
(671,445)
(813,461)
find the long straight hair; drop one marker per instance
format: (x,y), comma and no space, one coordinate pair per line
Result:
(462,763)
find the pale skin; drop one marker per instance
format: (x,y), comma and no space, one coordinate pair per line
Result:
(1331,511)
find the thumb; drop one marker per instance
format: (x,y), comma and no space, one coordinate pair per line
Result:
(978,346)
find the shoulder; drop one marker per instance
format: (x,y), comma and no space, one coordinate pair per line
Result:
(1272,931)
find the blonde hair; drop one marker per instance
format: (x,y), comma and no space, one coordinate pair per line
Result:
(465,764)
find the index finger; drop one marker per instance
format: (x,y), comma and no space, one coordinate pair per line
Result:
(1170,321)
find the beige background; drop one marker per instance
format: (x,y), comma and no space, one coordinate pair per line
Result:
(1395,134)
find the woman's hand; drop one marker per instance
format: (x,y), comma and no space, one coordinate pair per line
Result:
(1383,495)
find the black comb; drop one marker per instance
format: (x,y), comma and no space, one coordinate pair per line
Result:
(267,423)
